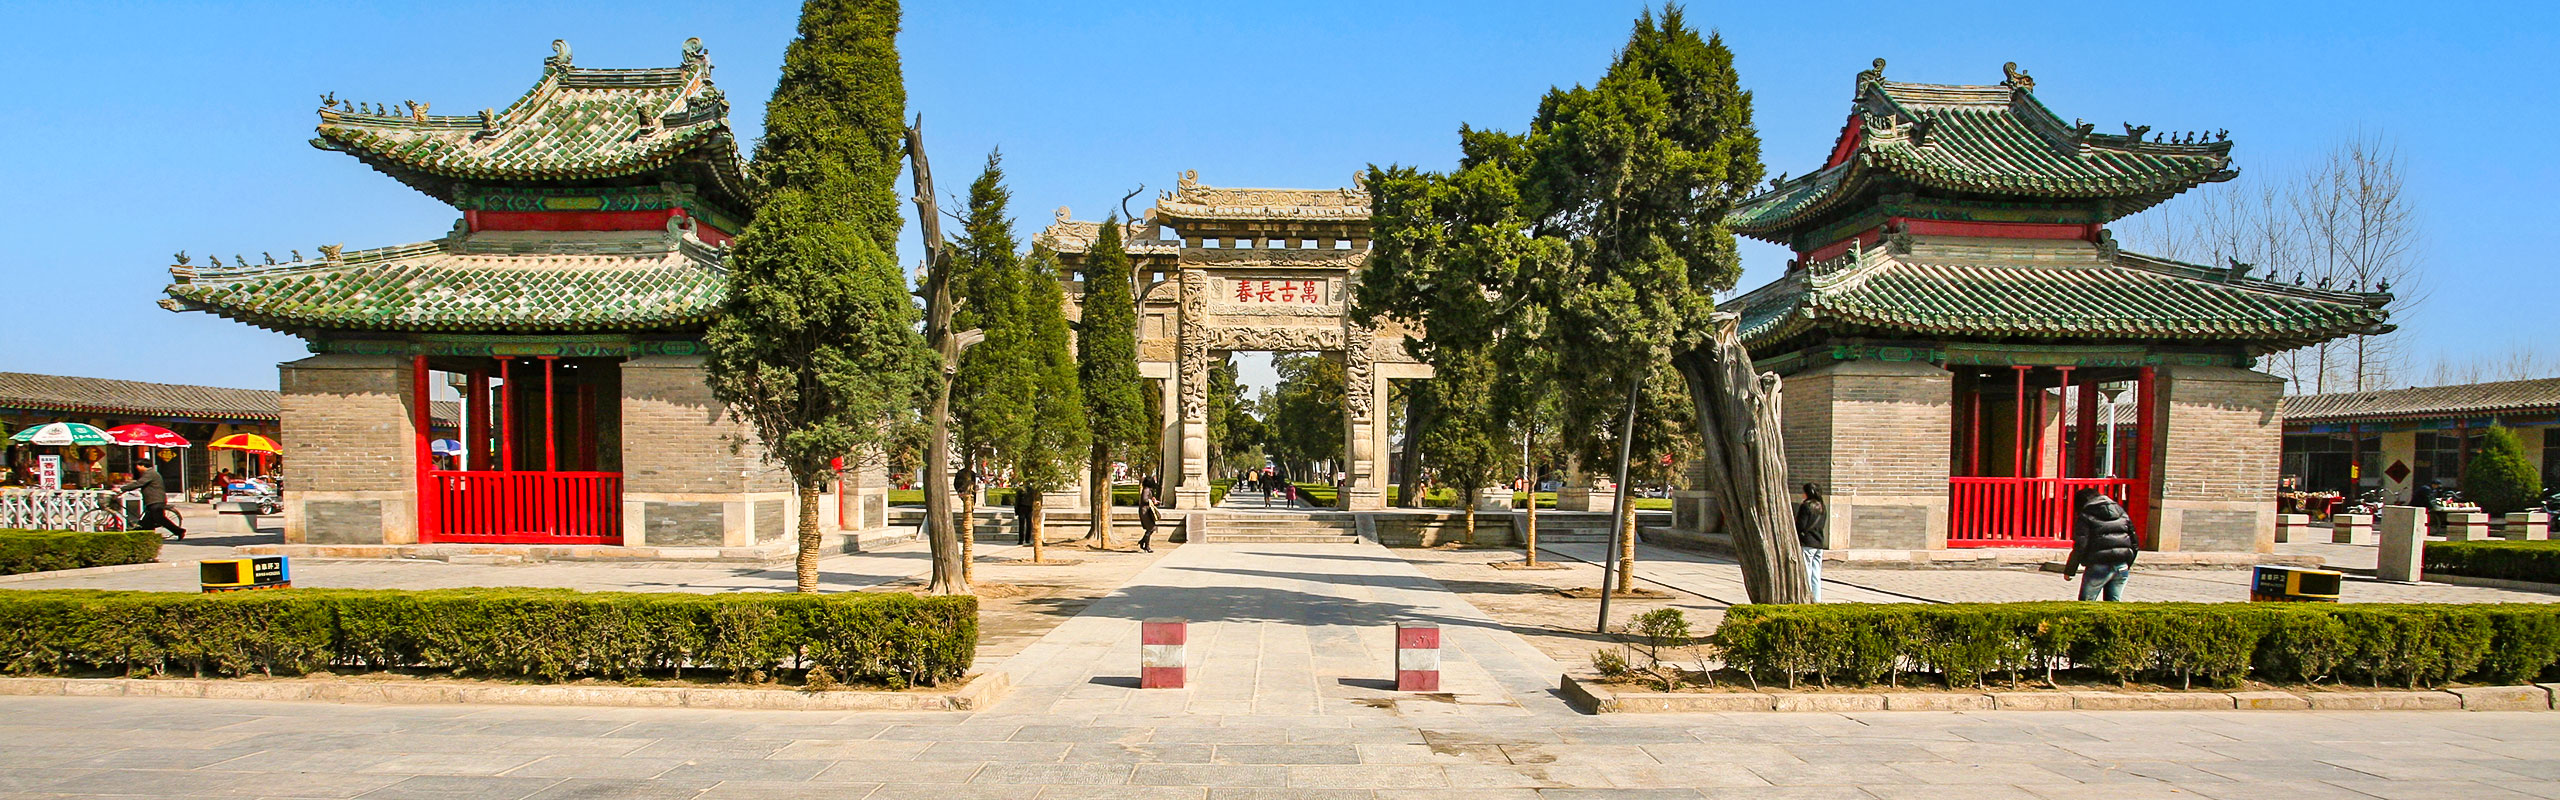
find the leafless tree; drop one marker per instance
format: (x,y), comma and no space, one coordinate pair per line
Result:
(2343,223)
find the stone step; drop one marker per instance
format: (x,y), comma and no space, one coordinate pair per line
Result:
(1249,538)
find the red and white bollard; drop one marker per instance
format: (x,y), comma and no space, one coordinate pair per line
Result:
(1160,653)
(1417,657)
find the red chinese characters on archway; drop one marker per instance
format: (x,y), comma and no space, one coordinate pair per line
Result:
(1268,290)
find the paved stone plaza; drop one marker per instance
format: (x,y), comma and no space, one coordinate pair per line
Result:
(1289,698)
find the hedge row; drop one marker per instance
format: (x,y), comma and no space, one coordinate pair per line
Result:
(2179,643)
(40,551)
(547,634)
(2516,561)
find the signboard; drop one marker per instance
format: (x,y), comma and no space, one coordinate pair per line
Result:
(1278,290)
(2274,584)
(48,472)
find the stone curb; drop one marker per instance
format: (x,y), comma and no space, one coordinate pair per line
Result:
(979,691)
(109,569)
(1590,697)
(2491,583)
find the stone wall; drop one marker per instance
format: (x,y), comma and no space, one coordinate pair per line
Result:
(691,476)
(1876,435)
(2214,460)
(349,430)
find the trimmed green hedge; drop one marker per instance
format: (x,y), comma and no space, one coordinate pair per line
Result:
(547,634)
(2516,561)
(42,551)
(1967,643)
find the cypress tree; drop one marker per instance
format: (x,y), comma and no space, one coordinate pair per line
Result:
(990,388)
(2498,476)
(1115,398)
(1056,435)
(816,346)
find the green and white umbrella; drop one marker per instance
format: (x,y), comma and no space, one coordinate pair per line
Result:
(63,433)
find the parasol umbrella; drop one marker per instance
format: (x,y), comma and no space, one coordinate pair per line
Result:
(63,433)
(445,447)
(258,447)
(140,435)
(247,443)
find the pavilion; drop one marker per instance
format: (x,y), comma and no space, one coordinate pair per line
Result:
(564,310)
(1964,345)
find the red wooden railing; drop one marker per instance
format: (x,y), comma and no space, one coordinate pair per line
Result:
(511,507)
(2027,512)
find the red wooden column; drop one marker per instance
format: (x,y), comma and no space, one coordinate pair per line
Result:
(506,417)
(547,491)
(1973,449)
(475,435)
(2018,422)
(2088,455)
(2145,437)
(425,419)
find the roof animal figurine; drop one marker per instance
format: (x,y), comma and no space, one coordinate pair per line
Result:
(559,59)
(2135,132)
(1871,75)
(2016,78)
(182,258)
(329,252)
(417,111)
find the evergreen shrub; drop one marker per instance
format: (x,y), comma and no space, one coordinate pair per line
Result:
(43,551)
(2181,644)
(2538,562)
(2498,477)
(889,639)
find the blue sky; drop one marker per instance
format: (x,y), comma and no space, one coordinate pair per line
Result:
(139,129)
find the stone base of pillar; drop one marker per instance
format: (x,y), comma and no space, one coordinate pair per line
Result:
(1694,510)
(1068,500)
(1494,499)
(1586,498)
(2404,544)
(1364,500)
(1190,497)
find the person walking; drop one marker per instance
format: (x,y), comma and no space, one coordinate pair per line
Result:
(1813,521)
(2102,540)
(1022,511)
(1147,514)
(1268,486)
(155,501)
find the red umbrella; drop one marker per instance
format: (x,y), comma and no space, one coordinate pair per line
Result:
(140,435)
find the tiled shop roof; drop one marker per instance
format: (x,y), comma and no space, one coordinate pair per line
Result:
(65,393)
(2461,400)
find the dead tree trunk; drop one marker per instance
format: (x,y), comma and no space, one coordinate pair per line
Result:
(950,570)
(1745,461)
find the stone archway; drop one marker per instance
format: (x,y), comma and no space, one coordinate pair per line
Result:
(1253,269)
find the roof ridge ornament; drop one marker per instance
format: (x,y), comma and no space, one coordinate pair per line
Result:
(417,111)
(559,59)
(1189,180)
(694,54)
(2135,132)
(2015,78)
(1871,76)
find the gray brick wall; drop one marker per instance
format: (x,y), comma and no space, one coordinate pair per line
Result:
(2219,436)
(348,423)
(1869,428)
(677,439)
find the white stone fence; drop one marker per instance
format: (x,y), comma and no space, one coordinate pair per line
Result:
(50,509)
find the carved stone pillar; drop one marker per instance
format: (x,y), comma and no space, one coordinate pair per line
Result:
(1192,380)
(1363,399)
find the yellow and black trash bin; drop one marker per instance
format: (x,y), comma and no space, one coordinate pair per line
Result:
(238,574)
(2271,584)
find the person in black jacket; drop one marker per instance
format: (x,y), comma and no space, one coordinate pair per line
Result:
(1812,521)
(155,501)
(2102,540)
(1147,514)
(1022,499)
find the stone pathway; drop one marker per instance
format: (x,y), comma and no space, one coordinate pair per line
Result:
(1282,630)
(1288,702)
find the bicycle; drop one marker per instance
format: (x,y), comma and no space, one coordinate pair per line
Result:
(110,516)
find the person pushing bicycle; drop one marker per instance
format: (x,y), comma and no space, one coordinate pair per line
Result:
(155,501)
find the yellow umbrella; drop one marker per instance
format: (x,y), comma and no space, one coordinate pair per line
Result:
(247,443)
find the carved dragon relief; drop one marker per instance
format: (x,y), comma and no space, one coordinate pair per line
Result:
(1277,339)
(1359,345)
(1194,377)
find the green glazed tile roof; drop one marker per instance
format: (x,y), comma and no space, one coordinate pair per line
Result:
(578,124)
(2129,297)
(1995,140)
(488,282)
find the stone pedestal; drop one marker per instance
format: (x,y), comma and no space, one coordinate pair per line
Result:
(2527,526)
(2404,543)
(2351,529)
(1493,499)
(1586,498)
(1694,510)
(2466,526)
(2288,525)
